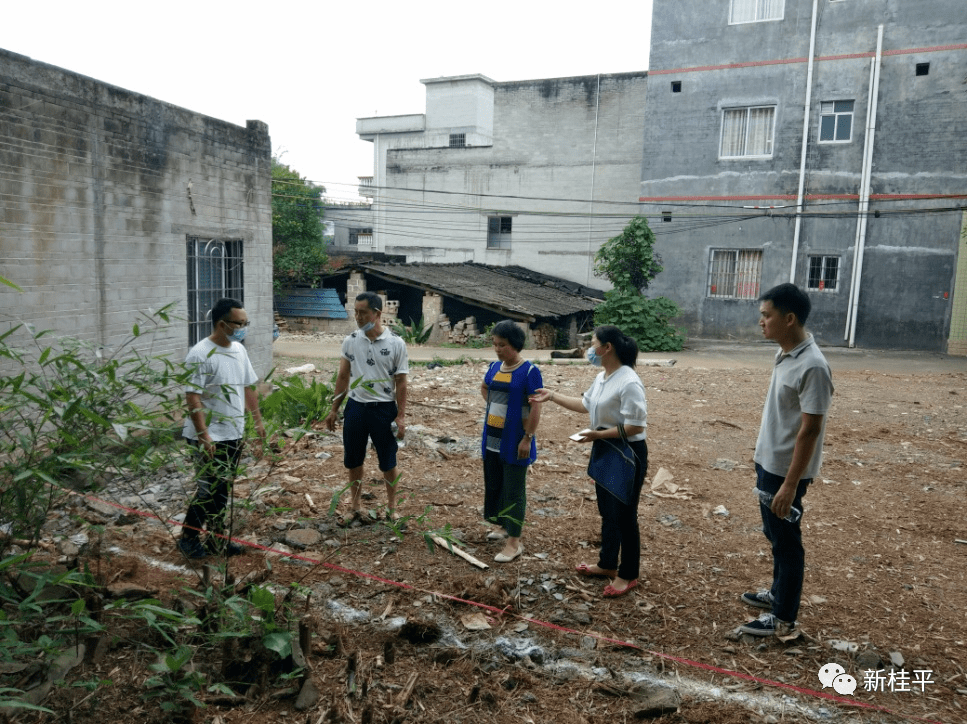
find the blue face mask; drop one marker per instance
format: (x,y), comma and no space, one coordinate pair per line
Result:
(366,327)
(238,335)
(593,357)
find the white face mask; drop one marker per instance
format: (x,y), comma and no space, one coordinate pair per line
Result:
(366,327)
(593,357)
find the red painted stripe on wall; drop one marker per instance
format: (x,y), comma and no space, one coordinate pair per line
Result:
(727,66)
(894,197)
(823,58)
(931,49)
(808,197)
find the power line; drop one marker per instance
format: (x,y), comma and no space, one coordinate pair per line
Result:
(18,147)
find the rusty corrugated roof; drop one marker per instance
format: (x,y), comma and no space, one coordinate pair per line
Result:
(517,291)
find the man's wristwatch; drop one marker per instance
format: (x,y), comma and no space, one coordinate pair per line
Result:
(529,435)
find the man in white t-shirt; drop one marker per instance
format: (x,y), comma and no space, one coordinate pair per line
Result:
(219,393)
(788,452)
(375,360)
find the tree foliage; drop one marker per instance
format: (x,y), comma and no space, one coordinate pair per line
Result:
(298,246)
(629,262)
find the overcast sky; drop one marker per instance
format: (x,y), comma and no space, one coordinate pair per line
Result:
(309,69)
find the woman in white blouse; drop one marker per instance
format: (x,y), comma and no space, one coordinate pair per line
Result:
(616,398)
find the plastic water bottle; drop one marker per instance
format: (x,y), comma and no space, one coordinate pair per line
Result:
(766,499)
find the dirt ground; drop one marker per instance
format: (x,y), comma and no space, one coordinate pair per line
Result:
(883,529)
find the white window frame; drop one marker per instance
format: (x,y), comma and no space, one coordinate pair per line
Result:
(824,264)
(734,274)
(827,109)
(770,141)
(759,9)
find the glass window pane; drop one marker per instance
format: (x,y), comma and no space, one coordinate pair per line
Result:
(815,271)
(831,273)
(844,126)
(826,127)
(733,132)
(748,274)
(760,132)
(722,274)
(743,11)
(843,106)
(770,9)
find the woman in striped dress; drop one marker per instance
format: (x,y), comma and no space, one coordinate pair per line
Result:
(508,446)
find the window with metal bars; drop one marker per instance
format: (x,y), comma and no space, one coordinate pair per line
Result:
(458,140)
(823,274)
(361,237)
(214,271)
(734,273)
(498,232)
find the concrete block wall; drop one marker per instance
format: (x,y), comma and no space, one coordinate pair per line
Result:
(355,285)
(910,257)
(459,105)
(558,143)
(107,186)
(433,314)
(317,325)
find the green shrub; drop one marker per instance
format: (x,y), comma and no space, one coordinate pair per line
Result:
(647,321)
(42,616)
(297,404)
(294,405)
(73,414)
(416,333)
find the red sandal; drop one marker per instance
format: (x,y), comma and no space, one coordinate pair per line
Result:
(612,592)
